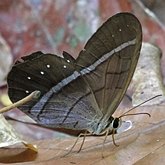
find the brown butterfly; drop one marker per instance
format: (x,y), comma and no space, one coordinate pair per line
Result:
(82,93)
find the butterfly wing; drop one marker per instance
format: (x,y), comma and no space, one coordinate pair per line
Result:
(75,94)
(109,59)
(61,104)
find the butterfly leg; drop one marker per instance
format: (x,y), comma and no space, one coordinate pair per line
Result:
(113,138)
(106,135)
(84,136)
(80,135)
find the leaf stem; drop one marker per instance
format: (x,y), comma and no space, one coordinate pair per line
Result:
(33,95)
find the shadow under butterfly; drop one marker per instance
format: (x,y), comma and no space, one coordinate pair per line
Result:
(81,94)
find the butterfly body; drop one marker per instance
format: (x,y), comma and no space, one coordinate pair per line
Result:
(82,93)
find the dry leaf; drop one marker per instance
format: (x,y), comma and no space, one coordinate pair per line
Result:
(8,136)
(146,138)
(4,99)
(5,60)
(136,146)
(147,81)
(134,142)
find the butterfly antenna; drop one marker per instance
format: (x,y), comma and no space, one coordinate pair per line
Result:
(145,113)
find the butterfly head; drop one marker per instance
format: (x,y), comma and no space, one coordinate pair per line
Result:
(116,123)
(113,125)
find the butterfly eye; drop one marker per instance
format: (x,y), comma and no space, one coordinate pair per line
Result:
(116,123)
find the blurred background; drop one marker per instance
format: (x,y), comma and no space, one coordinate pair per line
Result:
(54,26)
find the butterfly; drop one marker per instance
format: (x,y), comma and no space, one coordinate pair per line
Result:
(82,93)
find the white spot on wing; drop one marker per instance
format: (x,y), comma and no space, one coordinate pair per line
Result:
(119,30)
(64,66)
(68,60)
(113,35)
(27,91)
(48,66)
(28,78)
(42,72)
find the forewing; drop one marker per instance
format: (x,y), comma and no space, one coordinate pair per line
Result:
(109,59)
